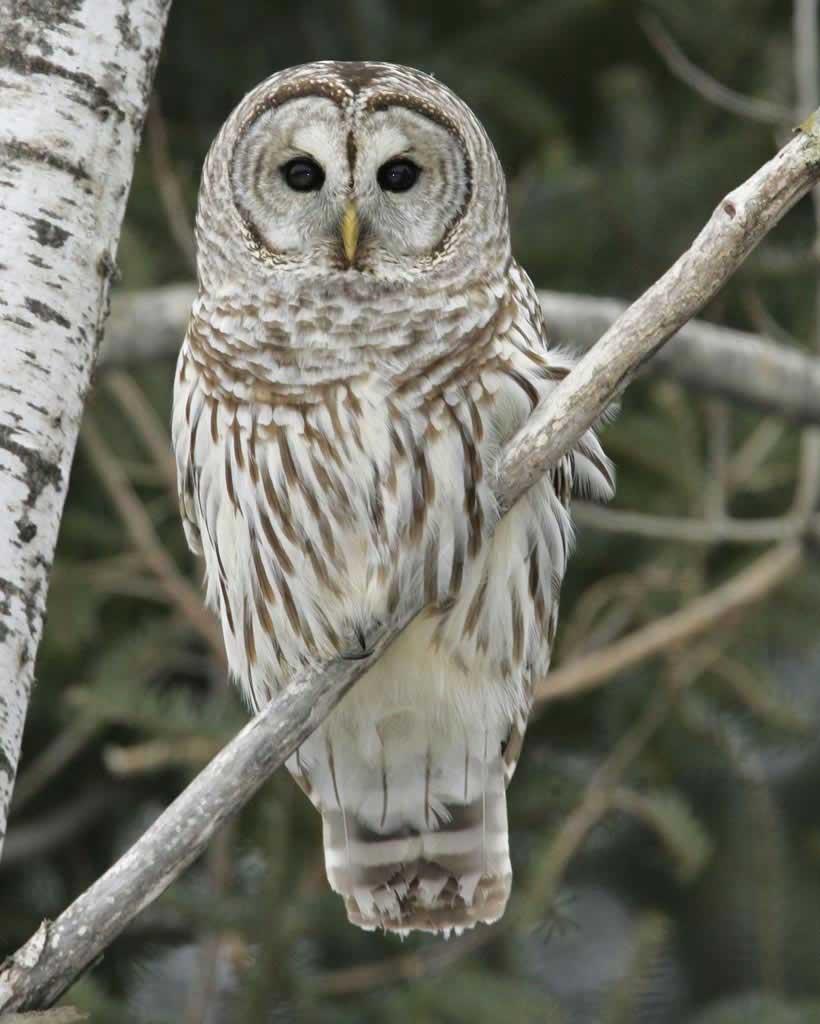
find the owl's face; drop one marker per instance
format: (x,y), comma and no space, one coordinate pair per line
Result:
(363,168)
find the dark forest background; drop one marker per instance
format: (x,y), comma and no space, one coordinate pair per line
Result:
(696,897)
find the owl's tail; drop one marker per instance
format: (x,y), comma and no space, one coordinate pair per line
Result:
(424,848)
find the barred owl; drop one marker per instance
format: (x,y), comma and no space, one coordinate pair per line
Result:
(361,347)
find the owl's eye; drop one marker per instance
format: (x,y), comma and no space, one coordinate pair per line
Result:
(398,175)
(303,175)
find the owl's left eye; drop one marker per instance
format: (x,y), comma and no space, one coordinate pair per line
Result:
(398,175)
(303,175)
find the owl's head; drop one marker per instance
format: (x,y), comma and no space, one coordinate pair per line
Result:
(369,168)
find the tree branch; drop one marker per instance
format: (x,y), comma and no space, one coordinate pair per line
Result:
(48,963)
(60,1015)
(137,522)
(733,364)
(74,81)
(736,365)
(704,613)
(686,529)
(705,85)
(807,81)
(740,221)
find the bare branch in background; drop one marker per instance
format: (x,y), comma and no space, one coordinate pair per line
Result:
(151,429)
(736,365)
(59,1015)
(705,613)
(50,961)
(73,91)
(145,325)
(45,835)
(807,70)
(141,530)
(707,86)
(720,361)
(168,183)
(49,763)
(688,530)
(719,443)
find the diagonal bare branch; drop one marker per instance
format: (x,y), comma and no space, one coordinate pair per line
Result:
(736,365)
(59,951)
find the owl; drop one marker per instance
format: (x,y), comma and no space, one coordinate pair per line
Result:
(362,346)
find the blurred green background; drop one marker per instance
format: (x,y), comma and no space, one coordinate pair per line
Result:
(696,897)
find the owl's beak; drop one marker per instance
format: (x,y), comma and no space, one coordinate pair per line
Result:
(350,231)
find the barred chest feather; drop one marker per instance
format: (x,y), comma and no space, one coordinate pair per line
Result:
(334,466)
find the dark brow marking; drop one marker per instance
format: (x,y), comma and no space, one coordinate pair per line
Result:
(333,91)
(384,101)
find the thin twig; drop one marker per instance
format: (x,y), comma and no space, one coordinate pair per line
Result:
(719,444)
(736,365)
(59,1015)
(31,839)
(141,530)
(168,183)
(686,529)
(762,319)
(546,875)
(159,755)
(52,958)
(49,763)
(707,86)
(150,427)
(807,70)
(699,616)
(751,455)
(608,606)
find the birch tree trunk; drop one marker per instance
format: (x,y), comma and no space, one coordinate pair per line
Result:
(75,76)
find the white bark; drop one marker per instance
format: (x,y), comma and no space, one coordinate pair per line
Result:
(75,76)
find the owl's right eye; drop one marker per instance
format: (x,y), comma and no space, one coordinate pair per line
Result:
(303,175)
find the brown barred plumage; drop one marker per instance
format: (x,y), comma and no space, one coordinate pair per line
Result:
(355,360)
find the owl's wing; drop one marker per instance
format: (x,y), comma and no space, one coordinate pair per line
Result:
(536,368)
(585,472)
(184,429)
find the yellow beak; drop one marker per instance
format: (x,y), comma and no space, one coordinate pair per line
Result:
(350,231)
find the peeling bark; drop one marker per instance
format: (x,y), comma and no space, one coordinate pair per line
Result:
(75,77)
